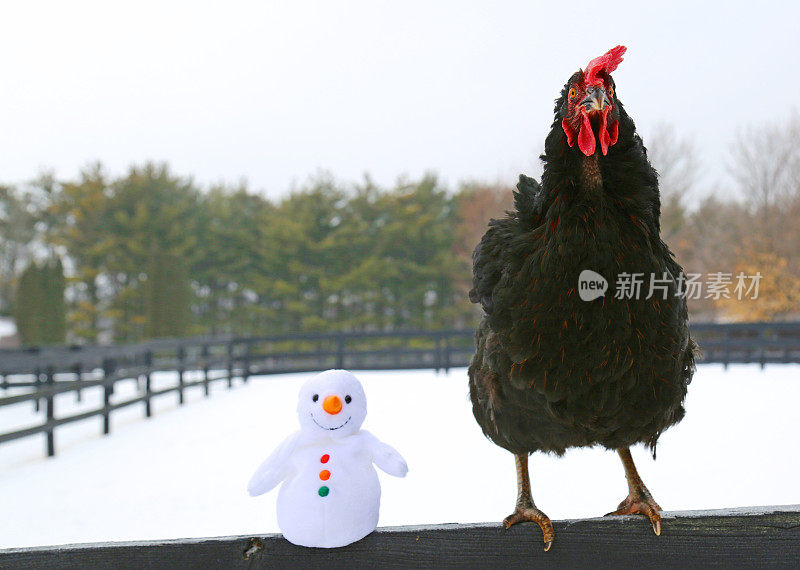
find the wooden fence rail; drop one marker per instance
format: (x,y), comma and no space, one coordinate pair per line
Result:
(763,537)
(39,375)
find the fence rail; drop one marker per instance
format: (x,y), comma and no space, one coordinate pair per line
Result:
(761,537)
(39,375)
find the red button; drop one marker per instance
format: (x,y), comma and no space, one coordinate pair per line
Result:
(324,458)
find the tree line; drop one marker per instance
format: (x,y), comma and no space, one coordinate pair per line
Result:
(151,254)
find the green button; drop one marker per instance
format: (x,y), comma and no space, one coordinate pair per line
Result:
(323,491)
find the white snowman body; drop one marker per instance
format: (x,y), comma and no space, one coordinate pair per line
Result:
(339,509)
(330,495)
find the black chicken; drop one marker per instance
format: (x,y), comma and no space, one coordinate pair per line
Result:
(551,370)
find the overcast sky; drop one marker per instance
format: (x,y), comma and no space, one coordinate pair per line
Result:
(274,91)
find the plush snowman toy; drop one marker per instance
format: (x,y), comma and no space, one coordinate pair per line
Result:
(330,494)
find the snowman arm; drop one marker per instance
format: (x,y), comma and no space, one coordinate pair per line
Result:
(274,468)
(266,478)
(386,457)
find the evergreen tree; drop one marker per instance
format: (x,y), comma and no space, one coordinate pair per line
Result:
(168,296)
(17,234)
(227,273)
(40,310)
(151,211)
(27,306)
(302,256)
(53,309)
(85,209)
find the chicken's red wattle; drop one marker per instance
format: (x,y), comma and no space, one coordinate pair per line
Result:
(605,138)
(586,136)
(608,134)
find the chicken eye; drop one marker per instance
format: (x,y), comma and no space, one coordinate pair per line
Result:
(348,399)
(572,93)
(315,398)
(610,91)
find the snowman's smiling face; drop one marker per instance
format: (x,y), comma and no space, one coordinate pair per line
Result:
(332,403)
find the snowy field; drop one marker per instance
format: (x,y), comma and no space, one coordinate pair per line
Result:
(183,473)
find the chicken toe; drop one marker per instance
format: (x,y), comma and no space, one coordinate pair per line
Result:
(532,514)
(639,500)
(526,510)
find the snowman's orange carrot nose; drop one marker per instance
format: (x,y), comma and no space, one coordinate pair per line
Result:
(332,405)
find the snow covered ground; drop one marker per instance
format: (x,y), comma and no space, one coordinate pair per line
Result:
(183,473)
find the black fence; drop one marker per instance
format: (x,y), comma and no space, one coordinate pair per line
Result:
(38,375)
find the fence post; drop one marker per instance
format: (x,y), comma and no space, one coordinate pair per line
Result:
(78,371)
(437,355)
(446,353)
(726,335)
(230,364)
(148,362)
(38,381)
(205,354)
(108,388)
(246,364)
(181,364)
(50,412)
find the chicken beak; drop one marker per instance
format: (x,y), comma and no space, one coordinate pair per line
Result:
(595,100)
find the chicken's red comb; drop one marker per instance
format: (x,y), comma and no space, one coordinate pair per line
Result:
(607,62)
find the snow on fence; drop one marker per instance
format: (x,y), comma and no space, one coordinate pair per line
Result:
(763,537)
(37,375)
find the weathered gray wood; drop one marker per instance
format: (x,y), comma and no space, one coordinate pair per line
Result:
(764,537)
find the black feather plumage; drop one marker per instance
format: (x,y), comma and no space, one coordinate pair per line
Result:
(552,371)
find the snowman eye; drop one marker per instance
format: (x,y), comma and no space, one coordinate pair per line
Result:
(348,399)
(315,398)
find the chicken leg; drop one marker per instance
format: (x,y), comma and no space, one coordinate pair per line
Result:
(639,500)
(526,510)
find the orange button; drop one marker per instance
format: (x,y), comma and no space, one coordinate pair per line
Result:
(324,474)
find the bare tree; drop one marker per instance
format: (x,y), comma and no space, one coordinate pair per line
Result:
(675,159)
(766,165)
(766,162)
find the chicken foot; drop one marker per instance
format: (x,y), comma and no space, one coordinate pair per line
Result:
(526,510)
(639,500)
